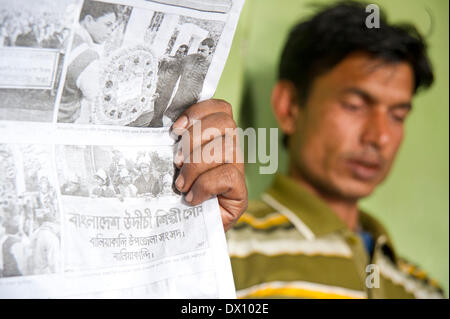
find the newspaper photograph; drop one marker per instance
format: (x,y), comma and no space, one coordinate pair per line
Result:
(130,181)
(29,212)
(34,36)
(88,92)
(104,221)
(139,66)
(119,172)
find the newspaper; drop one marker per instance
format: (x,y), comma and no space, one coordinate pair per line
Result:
(88,92)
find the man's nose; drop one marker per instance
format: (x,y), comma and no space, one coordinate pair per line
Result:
(376,131)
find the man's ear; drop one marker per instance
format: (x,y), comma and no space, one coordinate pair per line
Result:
(285,105)
(88,18)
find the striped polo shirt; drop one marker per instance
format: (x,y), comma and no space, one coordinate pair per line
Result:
(290,244)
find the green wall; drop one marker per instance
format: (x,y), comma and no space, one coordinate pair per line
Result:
(413,203)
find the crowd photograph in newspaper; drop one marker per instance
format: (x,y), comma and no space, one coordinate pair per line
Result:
(34,36)
(132,182)
(105,171)
(29,213)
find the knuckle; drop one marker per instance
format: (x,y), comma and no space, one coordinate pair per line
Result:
(225,121)
(186,139)
(201,186)
(245,205)
(229,151)
(231,123)
(230,174)
(227,106)
(211,132)
(186,170)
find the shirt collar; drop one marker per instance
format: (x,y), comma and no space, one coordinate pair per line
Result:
(379,233)
(311,215)
(305,210)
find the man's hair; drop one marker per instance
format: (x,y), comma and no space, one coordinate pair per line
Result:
(314,46)
(318,44)
(96,9)
(209,42)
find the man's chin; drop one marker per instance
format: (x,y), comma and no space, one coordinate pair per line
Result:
(345,190)
(357,190)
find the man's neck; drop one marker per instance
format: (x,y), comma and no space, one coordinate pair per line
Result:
(82,31)
(346,209)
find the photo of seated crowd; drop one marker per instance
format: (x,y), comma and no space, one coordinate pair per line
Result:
(45,27)
(106,172)
(29,215)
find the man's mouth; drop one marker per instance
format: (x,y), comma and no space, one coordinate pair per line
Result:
(364,169)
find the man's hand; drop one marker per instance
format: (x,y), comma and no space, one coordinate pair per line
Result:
(204,174)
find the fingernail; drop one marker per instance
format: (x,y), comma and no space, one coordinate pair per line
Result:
(189,197)
(178,160)
(179,182)
(180,124)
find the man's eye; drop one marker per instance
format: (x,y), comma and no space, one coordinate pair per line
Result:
(351,107)
(399,115)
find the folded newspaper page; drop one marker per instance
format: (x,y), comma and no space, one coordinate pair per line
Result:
(88,92)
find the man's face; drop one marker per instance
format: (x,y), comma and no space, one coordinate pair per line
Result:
(182,51)
(101,28)
(204,50)
(126,180)
(348,133)
(145,169)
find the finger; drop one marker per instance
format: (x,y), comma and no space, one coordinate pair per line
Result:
(212,126)
(225,180)
(206,157)
(228,184)
(228,219)
(198,111)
